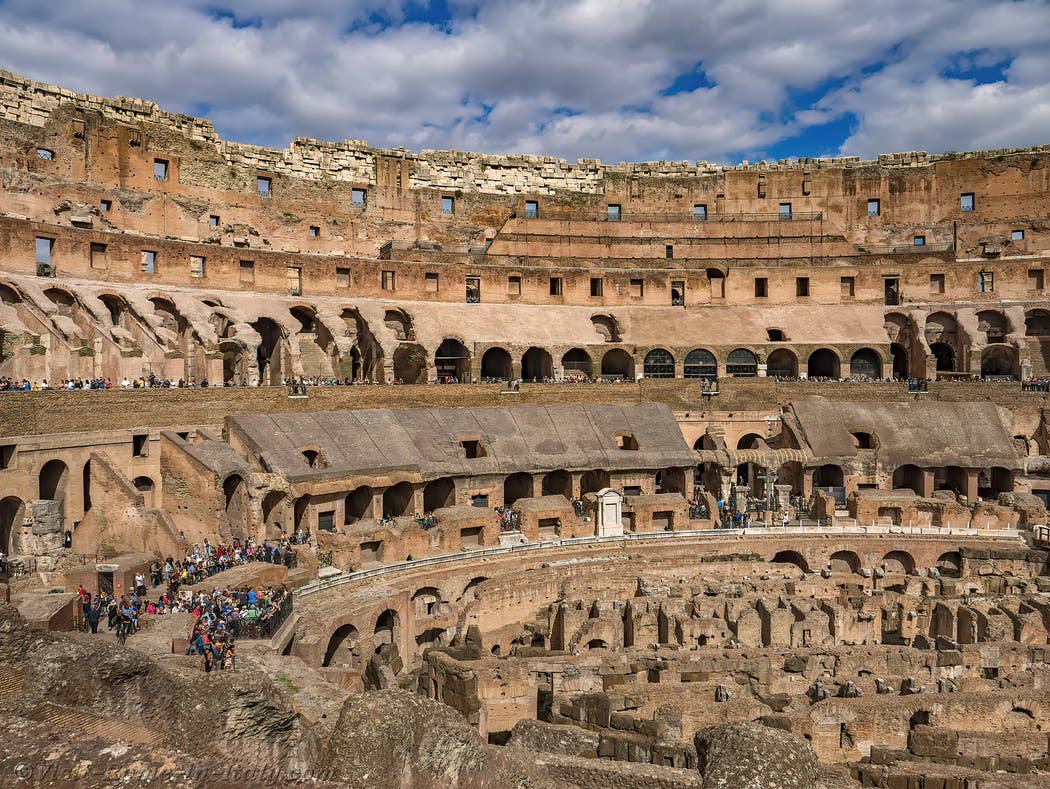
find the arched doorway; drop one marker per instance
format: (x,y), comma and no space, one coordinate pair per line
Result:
(496,364)
(617,363)
(576,363)
(782,363)
(301,512)
(236,498)
(658,363)
(536,365)
(410,364)
(53,481)
(12,516)
(742,363)
(358,504)
(944,355)
(791,557)
(1037,330)
(751,441)
(900,361)
(268,354)
(700,363)
(439,493)
(452,361)
(233,366)
(593,481)
(823,363)
(844,562)
(145,486)
(557,483)
(909,477)
(398,500)
(85,479)
(342,648)
(516,486)
(865,363)
(828,476)
(273,510)
(387,629)
(999,361)
(898,562)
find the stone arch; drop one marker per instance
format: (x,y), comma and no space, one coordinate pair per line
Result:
(945,339)
(865,363)
(671,480)
(944,357)
(400,323)
(901,368)
(85,485)
(496,363)
(607,327)
(12,516)
(235,499)
(617,363)
(410,363)
(844,562)
(594,481)
(147,488)
(942,621)
(358,504)
(399,500)
(751,441)
(425,601)
(9,294)
(949,564)
(439,493)
(517,486)
(597,643)
(536,364)
(452,360)
(556,483)
(53,480)
(268,353)
(234,366)
(999,360)
(791,474)
(306,317)
(828,476)
(782,363)
(342,647)
(1002,480)
(274,505)
(387,629)
(972,626)
(658,363)
(700,363)
(742,363)
(900,562)
(910,477)
(116,306)
(791,557)
(470,590)
(823,363)
(994,325)
(577,362)
(301,512)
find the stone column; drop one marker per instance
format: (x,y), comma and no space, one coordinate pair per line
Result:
(927,482)
(971,484)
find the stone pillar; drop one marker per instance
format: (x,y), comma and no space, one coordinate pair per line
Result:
(807,483)
(927,482)
(783,497)
(377,504)
(574,483)
(740,496)
(971,484)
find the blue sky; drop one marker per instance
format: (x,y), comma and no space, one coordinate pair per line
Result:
(619,80)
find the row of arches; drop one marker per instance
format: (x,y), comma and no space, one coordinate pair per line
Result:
(899,562)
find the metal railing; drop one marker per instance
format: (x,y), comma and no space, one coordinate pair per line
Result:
(705,534)
(263,628)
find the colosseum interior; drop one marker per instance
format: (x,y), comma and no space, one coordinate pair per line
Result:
(660,474)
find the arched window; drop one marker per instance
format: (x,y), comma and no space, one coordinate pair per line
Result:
(865,363)
(658,364)
(700,364)
(742,363)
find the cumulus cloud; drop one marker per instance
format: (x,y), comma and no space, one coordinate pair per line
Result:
(573,78)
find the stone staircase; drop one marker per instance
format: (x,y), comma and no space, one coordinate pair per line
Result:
(89,725)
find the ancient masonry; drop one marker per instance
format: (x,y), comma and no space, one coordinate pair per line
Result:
(659,474)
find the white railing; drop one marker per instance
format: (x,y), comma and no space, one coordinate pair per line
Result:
(706,534)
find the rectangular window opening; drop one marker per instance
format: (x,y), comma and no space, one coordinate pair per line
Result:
(637,289)
(919,241)
(597,286)
(358,197)
(873,207)
(802,286)
(315,231)
(105,205)
(761,287)
(784,211)
(985,282)
(555,286)
(139,443)
(966,202)
(1017,235)
(247,271)
(448,205)
(262,186)
(98,255)
(44,247)
(213,220)
(160,169)
(149,262)
(532,209)
(473,287)
(678,293)
(936,283)
(342,277)
(612,211)
(513,286)
(669,251)
(473,449)
(7,455)
(197,266)
(387,280)
(700,212)
(1035,278)
(46,154)
(430,282)
(848,286)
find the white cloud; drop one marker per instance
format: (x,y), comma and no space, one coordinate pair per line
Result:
(502,74)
